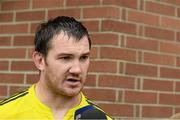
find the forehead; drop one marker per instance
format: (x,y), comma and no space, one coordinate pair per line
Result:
(64,42)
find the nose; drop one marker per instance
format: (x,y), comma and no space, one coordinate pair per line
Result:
(75,68)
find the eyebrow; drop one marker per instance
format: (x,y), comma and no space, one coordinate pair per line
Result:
(87,53)
(69,54)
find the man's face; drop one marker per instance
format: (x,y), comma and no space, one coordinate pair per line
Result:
(67,64)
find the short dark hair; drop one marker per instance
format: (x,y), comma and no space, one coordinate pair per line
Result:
(47,30)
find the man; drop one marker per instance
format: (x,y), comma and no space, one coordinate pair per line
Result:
(62,51)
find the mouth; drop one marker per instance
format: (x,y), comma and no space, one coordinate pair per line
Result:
(74,83)
(72,80)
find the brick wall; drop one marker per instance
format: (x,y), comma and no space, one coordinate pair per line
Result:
(135,66)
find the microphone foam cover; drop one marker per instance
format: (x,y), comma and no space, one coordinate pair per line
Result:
(94,114)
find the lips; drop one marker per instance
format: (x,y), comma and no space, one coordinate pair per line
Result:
(73,80)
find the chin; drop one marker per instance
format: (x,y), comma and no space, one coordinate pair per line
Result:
(72,93)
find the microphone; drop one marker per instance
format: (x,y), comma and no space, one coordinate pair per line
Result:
(90,113)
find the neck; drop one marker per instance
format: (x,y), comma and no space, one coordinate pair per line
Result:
(56,102)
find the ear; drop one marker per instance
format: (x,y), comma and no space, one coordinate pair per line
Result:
(38,60)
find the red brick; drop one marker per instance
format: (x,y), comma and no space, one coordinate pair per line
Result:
(156,111)
(101,12)
(159,59)
(169,99)
(94,52)
(142,44)
(172,48)
(116,26)
(118,109)
(122,67)
(140,31)
(160,8)
(103,66)
(169,73)
(30,15)
(141,70)
(145,18)
(123,3)
(178,12)
(4,65)
(157,85)
(6,17)
(116,81)
(34,27)
(23,40)
(47,3)
(16,89)
(118,53)
(92,26)
(140,97)
(178,36)
(178,62)
(11,78)
(12,53)
(82,2)
(172,2)
(32,78)
(142,5)
(100,94)
(15,5)
(23,66)
(170,23)
(139,57)
(30,52)
(3,90)
(91,80)
(159,33)
(177,110)
(13,28)
(105,39)
(124,14)
(2,98)
(74,12)
(177,86)
(5,41)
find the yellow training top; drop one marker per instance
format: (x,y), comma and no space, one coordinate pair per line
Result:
(26,106)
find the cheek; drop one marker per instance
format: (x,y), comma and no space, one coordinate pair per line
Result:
(86,67)
(54,70)
(58,66)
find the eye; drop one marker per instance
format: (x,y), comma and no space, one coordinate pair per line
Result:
(85,57)
(66,58)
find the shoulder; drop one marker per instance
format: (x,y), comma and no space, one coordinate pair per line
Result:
(13,102)
(13,98)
